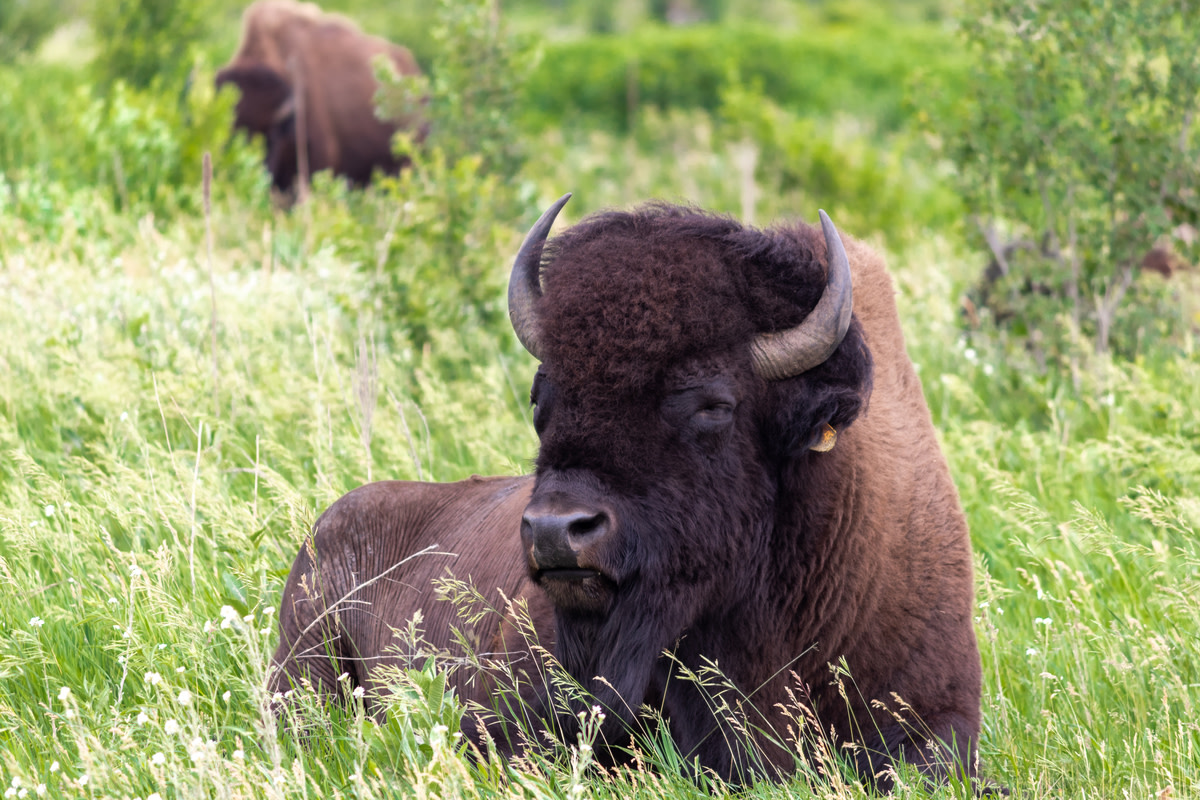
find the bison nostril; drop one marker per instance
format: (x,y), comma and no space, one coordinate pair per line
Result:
(587,526)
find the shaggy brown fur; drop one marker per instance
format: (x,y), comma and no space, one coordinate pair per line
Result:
(700,521)
(287,44)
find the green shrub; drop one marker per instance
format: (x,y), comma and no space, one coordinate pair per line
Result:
(24,23)
(1077,136)
(456,203)
(146,42)
(868,186)
(861,69)
(137,150)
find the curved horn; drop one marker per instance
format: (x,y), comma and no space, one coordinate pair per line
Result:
(786,354)
(524,284)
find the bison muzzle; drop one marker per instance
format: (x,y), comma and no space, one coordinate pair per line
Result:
(712,488)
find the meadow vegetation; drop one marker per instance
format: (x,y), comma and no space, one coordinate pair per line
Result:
(174,415)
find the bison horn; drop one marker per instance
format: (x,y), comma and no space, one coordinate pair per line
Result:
(785,354)
(524,285)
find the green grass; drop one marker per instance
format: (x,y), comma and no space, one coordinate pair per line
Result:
(141,498)
(149,512)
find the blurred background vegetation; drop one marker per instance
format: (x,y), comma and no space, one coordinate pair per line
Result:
(176,419)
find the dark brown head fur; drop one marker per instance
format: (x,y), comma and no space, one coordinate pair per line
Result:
(648,408)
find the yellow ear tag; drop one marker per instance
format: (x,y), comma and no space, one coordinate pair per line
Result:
(828,440)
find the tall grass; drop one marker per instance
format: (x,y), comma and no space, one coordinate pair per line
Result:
(145,533)
(150,511)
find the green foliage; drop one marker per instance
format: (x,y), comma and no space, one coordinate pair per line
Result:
(819,70)
(24,23)
(866,186)
(477,74)
(1077,134)
(146,42)
(138,150)
(152,506)
(463,187)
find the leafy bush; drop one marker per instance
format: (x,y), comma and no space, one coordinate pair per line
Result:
(868,188)
(821,69)
(1077,137)
(457,201)
(137,150)
(24,23)
(146,42)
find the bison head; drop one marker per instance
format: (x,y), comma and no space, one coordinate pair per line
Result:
(266,98)
(689,366)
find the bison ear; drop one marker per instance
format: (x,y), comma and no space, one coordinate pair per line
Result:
(266,95)
(831,394)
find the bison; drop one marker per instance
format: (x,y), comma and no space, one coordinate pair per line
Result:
(737,468)
(294,60)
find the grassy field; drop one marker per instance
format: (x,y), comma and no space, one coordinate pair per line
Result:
(172,420)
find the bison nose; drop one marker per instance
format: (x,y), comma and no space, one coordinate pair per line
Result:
(556,537)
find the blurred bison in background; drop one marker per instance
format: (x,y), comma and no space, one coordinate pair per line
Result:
(307,84)
(712,488)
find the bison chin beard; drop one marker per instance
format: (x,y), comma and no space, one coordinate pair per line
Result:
(615,658)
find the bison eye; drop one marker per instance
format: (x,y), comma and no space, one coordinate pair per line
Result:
(714,415)
(703,409)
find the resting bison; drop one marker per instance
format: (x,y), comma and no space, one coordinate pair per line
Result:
(711,487)
(292,59)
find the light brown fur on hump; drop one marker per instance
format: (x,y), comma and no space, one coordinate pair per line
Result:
(271,27)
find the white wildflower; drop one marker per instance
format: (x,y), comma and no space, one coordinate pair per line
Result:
(197,749)
(158,759)
(154,796)
(152,678)
(48,510)
(184,698)
(228,694)
(1031,651)
(135,571)
(239,755)
(142,718)
(83,779)
(268,611)
(180,670)
(208,626)
(10,792)
(970,354)
(359,692)
(171,727)
(229,617)
(345,676)
(40,789)
(64,693)
(53,766)
(36,622)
